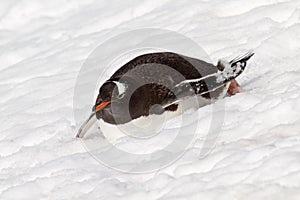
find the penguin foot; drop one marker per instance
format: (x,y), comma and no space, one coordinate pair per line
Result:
(234,88)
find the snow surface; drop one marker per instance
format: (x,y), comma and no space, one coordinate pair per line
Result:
(42,47)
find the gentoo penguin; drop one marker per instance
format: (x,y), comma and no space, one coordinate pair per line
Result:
(156,83)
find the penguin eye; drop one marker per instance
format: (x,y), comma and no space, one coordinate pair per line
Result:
(120,96)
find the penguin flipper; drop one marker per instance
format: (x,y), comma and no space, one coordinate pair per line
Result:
(172,107)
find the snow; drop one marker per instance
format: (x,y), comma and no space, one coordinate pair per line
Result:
(43,45)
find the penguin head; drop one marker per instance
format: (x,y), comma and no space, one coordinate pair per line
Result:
(111,93)
(121,102)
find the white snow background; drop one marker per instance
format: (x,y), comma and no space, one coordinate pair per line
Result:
(42,47)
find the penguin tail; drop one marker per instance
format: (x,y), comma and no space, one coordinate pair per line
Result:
(243,58)
(231,70)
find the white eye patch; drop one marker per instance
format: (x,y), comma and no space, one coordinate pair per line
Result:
(121,88)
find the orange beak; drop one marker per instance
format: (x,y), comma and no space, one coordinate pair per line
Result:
(102,105)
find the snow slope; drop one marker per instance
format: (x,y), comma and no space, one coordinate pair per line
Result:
(42,47)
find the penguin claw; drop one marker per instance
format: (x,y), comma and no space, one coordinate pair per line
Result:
(234,88)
